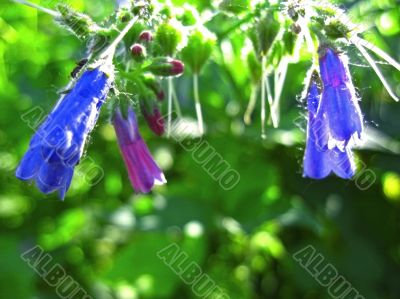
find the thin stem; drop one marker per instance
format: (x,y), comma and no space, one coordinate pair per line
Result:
(176,102)
(51,12)
(263,99)
(296,52)
(377,51)
(269,93)
(271,103)
(273,117)
(109,51)
(307,37)
(280,80)
(251,105)
(169,119)
(377,71)
(199,114)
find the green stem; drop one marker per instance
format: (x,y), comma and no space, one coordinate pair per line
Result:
(377,51)
(169,120)
(251,105)
(378,72)
(176,102)
(197,103)
(279,82)
(51,12)
(263,98)
(110,50)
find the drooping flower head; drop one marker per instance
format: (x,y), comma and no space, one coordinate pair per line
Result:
(339,103)
(58,144)
(142,169)
(319,159)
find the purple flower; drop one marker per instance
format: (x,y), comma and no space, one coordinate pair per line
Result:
(339,104)
(142,169)
(319,160)
(57,146)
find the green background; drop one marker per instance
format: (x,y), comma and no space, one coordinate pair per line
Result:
(107,238)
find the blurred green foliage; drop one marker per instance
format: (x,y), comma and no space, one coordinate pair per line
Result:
(107,238)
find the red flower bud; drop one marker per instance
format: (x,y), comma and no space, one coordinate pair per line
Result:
(146,36)
(166,67)
(177,67)
(137,50)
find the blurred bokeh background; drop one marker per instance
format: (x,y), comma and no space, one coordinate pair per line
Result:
(107,238)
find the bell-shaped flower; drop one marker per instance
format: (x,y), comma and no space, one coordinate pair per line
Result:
(58,144)
(339,103)
(142,169)
(319,159)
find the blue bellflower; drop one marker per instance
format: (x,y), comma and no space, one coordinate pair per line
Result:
(320,160)
(339,103)
(57,146)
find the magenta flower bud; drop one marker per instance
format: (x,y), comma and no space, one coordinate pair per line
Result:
(146,36)
(154,120)
(166,67)
(142,169)
(138,52)
(177,67)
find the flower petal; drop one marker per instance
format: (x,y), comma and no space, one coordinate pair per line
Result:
(342,111)
(342,163)
(29,165)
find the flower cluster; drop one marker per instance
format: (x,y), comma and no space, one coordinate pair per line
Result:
(335,121)
(58,145)
(149,44)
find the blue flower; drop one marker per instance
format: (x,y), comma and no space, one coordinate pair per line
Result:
(339,104)
(58,144)
(319,159)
